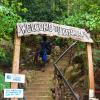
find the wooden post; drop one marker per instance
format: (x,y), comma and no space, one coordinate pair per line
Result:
(91,72)
(16,58)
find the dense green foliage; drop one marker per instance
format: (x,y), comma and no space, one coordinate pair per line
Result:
(8,22)
(3,84)
(43,10)
(78,13)
(83,14)
(5,57)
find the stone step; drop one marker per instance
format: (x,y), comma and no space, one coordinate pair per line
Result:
(42,82)
(45,71)
(37,89)
(43,79)
(39,98)
(38,85)
(38,93)
(44,75)
(46,90)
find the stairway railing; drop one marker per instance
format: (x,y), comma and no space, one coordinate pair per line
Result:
(60,75)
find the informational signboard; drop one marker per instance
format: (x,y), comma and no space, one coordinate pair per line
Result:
(13,93)
(52,29)
(18,78)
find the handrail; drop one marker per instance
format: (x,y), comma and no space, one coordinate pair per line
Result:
(65,52)
(66,82)
(62,76)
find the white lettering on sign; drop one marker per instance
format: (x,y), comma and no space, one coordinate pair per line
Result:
(13,93)
(18,78)
(52,29)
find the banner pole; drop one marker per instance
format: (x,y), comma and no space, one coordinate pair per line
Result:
(90,72)
(16,59)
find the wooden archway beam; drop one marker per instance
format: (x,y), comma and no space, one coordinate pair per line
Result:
(16,59)
(90,71)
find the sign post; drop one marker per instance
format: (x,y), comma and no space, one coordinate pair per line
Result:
(16,57)
(91,72)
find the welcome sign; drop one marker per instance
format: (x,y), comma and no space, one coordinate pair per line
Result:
(52,29)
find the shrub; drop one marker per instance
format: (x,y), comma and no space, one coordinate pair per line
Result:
(3,84)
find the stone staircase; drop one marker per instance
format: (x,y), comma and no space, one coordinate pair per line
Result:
(40,88)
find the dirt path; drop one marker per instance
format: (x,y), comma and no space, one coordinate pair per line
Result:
(40,88)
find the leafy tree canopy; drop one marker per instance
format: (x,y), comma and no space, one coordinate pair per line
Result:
(84,14)
(8,21)
(9,17)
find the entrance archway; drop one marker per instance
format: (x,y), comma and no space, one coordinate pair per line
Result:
(52,29)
